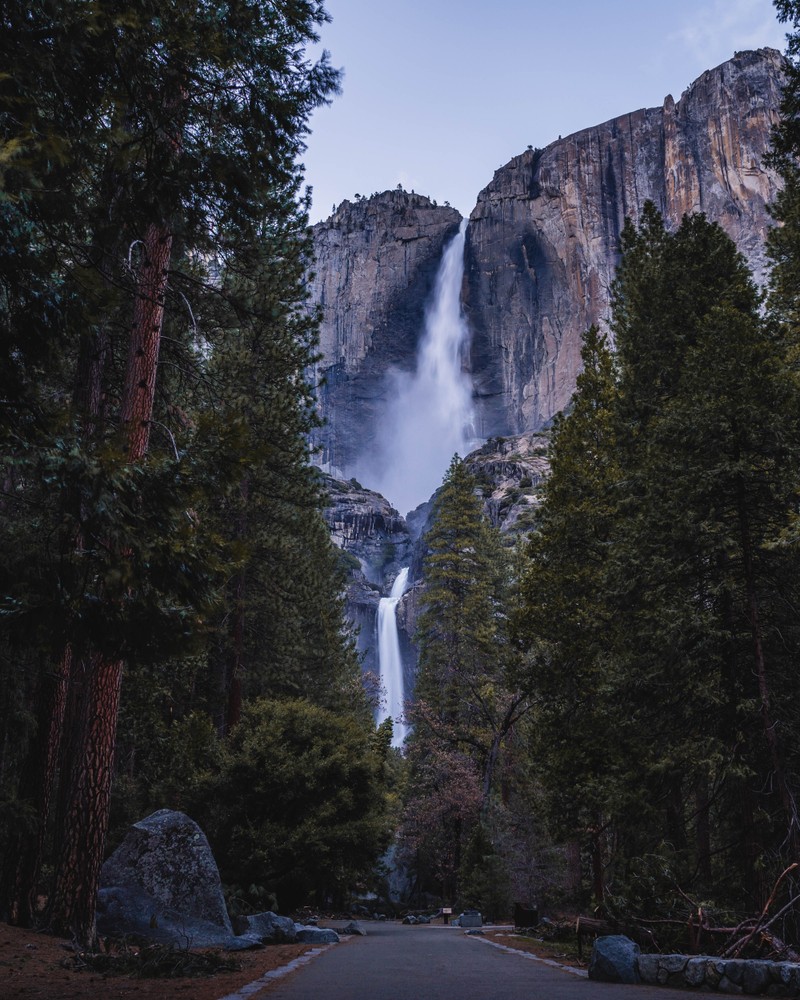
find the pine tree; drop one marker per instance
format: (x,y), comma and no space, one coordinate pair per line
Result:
(565,617)
(658,602)
(137,146)
(467,701)
(709,462)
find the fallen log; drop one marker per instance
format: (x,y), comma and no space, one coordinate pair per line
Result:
(590,926)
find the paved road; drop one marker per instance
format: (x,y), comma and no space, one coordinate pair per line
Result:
(396,962)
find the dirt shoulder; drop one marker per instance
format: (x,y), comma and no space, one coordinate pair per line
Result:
(564,954)
(35,966)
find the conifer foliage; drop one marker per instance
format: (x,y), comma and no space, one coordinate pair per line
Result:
(659,599)
(157,500)
(467,700)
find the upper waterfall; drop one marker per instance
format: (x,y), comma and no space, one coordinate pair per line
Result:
(430,413)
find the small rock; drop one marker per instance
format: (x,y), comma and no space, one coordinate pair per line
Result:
(317,935)
(470,918)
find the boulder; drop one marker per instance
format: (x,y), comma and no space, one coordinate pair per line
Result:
(167,857)
(270,928)
(614,960)
(244,942)
(317,935)
(354,927)
(132,912)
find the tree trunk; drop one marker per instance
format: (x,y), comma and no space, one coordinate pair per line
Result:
(88,798)
(703,829)
(598,875)
(237,666)
(148,316)
(39,780)
(752,870)
(88,805)
(787,799)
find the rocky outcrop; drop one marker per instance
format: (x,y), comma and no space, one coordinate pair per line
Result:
(511,472)
(375,264)
(377,543)
(542,242)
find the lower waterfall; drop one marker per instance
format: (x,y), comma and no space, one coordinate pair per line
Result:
(391,662)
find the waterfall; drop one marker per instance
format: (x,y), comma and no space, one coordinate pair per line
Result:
(391,663)
(430,415)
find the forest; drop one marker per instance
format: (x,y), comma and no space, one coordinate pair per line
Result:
(607,711)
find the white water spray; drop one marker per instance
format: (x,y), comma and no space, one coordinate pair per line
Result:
(430,414)
(391,663)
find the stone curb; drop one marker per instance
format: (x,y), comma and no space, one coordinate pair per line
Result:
(734,976)
(250,989)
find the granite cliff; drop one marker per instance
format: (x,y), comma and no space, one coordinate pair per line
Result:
(542,246)
(542,240)
(376,261)
(377,543)
(541,250)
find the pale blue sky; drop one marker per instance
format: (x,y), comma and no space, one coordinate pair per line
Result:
(437,94)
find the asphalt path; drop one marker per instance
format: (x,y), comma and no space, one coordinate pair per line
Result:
(400,962)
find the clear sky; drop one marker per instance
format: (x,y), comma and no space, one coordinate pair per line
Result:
(437,94)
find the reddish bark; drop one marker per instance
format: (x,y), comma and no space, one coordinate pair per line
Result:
(88,795)
(148,317)
(88,806)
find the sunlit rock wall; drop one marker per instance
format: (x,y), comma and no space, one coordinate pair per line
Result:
(542,242)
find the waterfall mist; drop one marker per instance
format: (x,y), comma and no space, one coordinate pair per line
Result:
(391,662)
(430,414)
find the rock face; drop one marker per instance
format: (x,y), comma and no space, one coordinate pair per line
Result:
(542,242)
(377,540)
(511,472)
(376,261)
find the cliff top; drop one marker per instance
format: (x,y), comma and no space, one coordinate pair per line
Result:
(716,81)
(394,202)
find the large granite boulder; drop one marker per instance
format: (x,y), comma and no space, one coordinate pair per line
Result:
(170,879)
(614,960)
(125,911)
